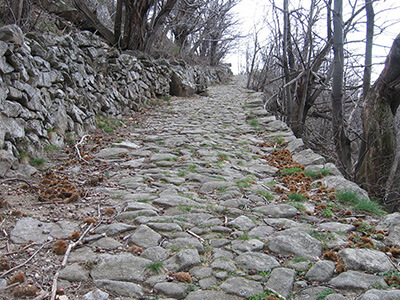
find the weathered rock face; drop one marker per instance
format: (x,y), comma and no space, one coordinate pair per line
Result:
(54,86)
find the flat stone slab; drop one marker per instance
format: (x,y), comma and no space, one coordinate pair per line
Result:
(115,228)
(111,152)
(381,294)
(241,287)
(322,271)
(32,230)
(183,260)
(281,281)
(173,201)
(342,184)
(172,289)
(211,186)
(210,295)
(308,157)
(337,227)
(145,237)
(257,261)
(366,260)
(297,243)
(277,210)
(122,288)
(242,223)
(121,267)
(356,281)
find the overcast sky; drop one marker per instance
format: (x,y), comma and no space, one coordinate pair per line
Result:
(252,13)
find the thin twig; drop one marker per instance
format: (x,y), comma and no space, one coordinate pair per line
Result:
(42,295)
(9,286)
(195,235)
(21,250)
(24,263)
(64,262)
(77,149)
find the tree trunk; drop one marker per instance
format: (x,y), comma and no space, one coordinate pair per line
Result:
(286,69)
(118,23)
(104,31)
(381,104)
(368,46)
(342,143)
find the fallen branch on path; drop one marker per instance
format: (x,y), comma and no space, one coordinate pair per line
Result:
(77,149)
(25,262)
(64,262)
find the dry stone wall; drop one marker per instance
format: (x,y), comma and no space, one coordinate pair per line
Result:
(55,86)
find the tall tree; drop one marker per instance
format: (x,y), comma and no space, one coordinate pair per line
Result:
(341,141)
(380,108)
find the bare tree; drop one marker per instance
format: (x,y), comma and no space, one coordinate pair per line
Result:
(341,141)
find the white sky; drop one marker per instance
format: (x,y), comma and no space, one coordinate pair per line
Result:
(252,13)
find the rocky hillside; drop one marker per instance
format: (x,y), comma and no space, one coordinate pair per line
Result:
(197,198)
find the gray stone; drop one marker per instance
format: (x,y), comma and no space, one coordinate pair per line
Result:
(174,200)
(156,253)
(212,186)
(134,205)
(185,243)
(322,271)
(242,287)
(257,261)
(336,227)
(183,260)
(342,184)
(210,295)
(172,289)
(281,281)
(251,245)
(121,267)
(83,254)
(277,210)
(243,223)
(122,288)
(224,264)
(201,272)
(145,237)
(335,297)
(165,226)
(107,243)
(74,272)
(217,253)
(308,157)
(207,282)
(115,228)
(162,156)
(380,295)
(12,34)
(356,281)
(311,292)
(388,221)
(31,230)
(366,260)
(217,243)
(296,243)
(111,152)
(96,295)
(295,146)
(261,232)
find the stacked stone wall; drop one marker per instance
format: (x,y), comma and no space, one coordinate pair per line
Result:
(52,87)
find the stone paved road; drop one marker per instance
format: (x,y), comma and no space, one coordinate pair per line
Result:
(200,214)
